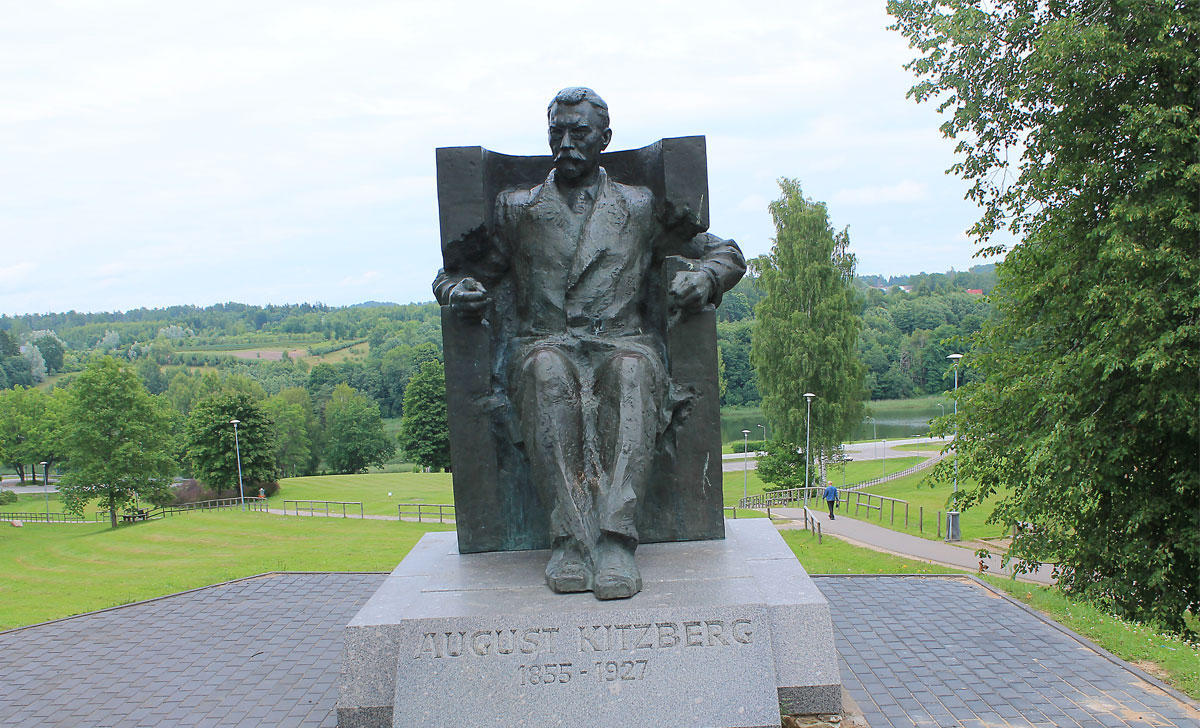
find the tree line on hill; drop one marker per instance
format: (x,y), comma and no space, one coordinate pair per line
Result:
(111,438)
(910,324)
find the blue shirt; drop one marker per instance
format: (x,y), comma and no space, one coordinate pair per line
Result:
(831,493)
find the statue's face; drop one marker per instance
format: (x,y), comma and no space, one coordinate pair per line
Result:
(577,136)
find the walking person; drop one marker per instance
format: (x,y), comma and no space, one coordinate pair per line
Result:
(831,497)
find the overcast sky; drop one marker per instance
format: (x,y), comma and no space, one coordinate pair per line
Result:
(158,153)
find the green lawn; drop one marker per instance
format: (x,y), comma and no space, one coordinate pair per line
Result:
(54,571)
(912,489)
(834,556)
(370,489)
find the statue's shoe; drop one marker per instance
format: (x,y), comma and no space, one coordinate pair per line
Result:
(567,572)
(617,575)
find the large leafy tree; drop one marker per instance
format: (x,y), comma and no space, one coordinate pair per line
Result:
(22,423)
(354,433)
(293,445)
(424,432)
(1078,130)
(214,450)
(119,440)
(806,328)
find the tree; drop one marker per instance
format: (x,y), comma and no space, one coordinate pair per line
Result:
(424,429)
(152,376)
(312,425)
(354,433)
(37,364)
(1077,128)
(119,440)
(8,345)
(806,329)
(52,351)
(293,446)
(22,439)
(213,449)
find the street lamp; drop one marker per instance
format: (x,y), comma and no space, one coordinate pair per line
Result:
(238,448)
(952,532)
(745,461)
(45,485)
(764,429)
(807,440)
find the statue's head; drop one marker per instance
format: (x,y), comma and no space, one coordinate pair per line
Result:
(578,132)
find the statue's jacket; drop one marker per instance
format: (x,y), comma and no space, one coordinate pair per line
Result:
(583,275)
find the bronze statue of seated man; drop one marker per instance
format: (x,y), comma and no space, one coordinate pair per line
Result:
(586,374)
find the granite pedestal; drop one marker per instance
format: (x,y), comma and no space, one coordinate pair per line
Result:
(725,633)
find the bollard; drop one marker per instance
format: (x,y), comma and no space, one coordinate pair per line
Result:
(768,512)
(906,515)
(939,519)
(893,513)
(818,532)
(921,519)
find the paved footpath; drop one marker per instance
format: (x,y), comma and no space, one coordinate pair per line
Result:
(879,538)
(927,652)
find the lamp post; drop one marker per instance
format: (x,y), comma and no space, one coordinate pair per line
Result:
(238,448)
(764,429)
(807,441)
(45,485)
(745,461)
(952,532)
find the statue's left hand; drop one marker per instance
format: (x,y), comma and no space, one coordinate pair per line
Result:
(691,290)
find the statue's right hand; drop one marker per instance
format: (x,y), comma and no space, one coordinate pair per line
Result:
(469,299)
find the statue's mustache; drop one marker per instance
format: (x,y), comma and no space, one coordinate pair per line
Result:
(570,154)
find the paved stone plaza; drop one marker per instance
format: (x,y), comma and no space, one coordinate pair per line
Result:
(915,651)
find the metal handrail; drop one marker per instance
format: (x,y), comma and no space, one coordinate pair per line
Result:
(795,495)
(420,507)
(312,507)
(52,517)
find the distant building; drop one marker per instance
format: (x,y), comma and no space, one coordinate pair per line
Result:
(975,291)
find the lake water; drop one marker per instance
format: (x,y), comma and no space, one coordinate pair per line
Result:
(894,419)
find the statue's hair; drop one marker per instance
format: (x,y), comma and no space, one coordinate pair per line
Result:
(576,95)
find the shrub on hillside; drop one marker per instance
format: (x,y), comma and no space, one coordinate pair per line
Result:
(754,445)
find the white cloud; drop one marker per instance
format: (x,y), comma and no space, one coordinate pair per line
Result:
(903,191)
(159,153)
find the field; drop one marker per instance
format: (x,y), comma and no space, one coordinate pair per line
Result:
(296,350)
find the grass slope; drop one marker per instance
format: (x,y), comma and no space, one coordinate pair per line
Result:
(913,489)
(370,489)
(59,570)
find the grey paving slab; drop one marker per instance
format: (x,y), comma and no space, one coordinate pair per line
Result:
(216,656)
(998,664)
(915,651)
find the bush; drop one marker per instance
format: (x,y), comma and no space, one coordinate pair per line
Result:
(754,445)
(7,497)
(193,491)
